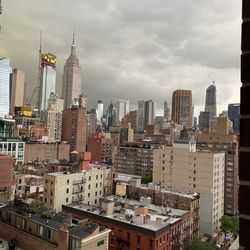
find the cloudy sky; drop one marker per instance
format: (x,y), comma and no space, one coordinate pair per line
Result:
(135,49)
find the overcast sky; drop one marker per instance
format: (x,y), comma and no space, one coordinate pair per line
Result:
(135,49)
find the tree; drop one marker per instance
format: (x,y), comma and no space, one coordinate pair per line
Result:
(197,244)
(147,178)
(230,224)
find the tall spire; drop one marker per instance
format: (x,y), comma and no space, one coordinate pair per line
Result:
(73,49)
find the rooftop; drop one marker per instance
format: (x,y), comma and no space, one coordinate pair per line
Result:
(126,211)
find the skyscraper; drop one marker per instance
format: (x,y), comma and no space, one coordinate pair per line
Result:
(166,114)
(149,113)
(71,86)
(182,107)
(210,103)
(48,79)
(234,116)
(122,108)
(141,116)
(99,110)
(111,114)
(5,71)
(17,88)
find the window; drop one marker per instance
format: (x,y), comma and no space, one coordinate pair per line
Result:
(95,201)
(89,178)
(51,193)
(20,181)
(45,199)
(67,199)
(96,193)
(88,194)
(50,202)
(67,181)
(128,236)
(67,191)
(96,185)
(99,243)
(100,192)
(96,177)
(89,186)
(46,181)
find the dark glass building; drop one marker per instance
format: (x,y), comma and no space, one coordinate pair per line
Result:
(234,116)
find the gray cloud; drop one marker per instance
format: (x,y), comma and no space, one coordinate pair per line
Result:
(140,49)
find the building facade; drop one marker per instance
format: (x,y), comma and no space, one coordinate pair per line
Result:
(234,116)
(86,187)
(71,86)
(5,71)
(74,126)
(122,109)
(17,89)
(48,79)
(182,107)
(182,168)
(210,103)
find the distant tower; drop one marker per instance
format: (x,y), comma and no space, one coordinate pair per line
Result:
(71,86)
(122,108)
(210,104)
(5,71)
(141,116)
(17,88)
(48,79)
(166,114)
(99,110)
(111,114)
(234,115)
(149,113)
(182,107)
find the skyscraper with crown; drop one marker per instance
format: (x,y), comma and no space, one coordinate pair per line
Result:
(71,86)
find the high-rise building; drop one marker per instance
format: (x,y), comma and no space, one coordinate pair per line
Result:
(71,86)
(74,128)
(122,108)
(166,115)
(146,114)
(48,79)
(99,110)
(17,88)
(141,116)
(91,125)
(234,116)
(204,121)
(149,113)
(182,168)
(182,107)
(131,118)
(52,117)
(210,104)
(5,71)
(244,154)
(111,114)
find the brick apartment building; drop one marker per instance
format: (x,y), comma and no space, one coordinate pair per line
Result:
(6,178)
(138,226)
(101,148)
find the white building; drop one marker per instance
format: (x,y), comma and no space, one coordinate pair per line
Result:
(14,147)
(182,168)
(122,108)
(99,110)
(5,71)
(85,187)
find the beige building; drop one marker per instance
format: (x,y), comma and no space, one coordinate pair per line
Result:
(17,89)
(85,187)
(224,141)
(182,168)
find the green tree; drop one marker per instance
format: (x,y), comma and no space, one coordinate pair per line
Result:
(147,178)
(197,244)
(230,224)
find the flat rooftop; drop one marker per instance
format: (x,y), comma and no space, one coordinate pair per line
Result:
(157,217)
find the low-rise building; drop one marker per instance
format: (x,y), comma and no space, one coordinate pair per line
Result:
(138,224)
(35,228)
(88,186)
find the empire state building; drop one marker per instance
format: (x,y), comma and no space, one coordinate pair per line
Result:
(71,86)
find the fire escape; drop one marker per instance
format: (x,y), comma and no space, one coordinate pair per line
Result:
(78,189)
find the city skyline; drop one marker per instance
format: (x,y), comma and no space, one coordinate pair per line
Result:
(128,54)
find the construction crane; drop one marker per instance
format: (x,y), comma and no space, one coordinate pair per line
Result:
(213,81)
